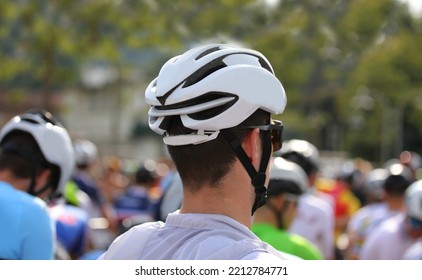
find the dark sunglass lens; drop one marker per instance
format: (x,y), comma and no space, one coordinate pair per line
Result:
(276,139)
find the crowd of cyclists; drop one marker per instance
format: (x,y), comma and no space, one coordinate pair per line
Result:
(102,207)
(362,211)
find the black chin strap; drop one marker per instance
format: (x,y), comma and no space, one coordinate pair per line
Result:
(257,177)
(279,214)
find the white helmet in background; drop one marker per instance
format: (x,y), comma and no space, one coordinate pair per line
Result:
(86,152)
(286,177)
(301,152)
(52,139)
(413,196)
(373,182)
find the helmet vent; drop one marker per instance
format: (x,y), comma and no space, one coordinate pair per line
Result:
(30,120)
(210,96)
(204,71)
(210,113)
(207,52)
(265,65)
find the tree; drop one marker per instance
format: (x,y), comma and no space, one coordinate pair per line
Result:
(323,52)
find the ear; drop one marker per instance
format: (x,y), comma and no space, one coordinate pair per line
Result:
(42,179)
(252,146)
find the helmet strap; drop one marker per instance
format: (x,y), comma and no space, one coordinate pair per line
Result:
(31,188)
(41,190)
(257,177)
(279,213)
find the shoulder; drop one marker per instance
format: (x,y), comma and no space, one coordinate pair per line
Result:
(30,207)
(268,256)
(361,214)
(314,202)
(130,244)
(385,230)
(414,252)
(305,248)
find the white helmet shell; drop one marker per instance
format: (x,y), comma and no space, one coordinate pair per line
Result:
(289,171)
(86,152)
(308,153)
(374,182)
(53,140)
(233,81)
(413,197)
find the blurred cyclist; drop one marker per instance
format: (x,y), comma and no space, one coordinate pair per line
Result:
(315,214)
(138,202)
(36,160)
(368,218)
(414,206)
(288,181)
(391,239)
(103,217)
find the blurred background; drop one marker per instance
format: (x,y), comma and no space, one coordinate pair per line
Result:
(352,70)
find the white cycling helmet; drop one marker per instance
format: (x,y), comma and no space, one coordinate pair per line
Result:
(413,196)
(301,152)
(86,152)
(287,171)
(229,81)
(373,182)
(52,139)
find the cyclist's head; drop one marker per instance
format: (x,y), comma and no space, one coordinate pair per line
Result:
(287,182)
(201,97)
(373,183)
(34,141)
(303,153)
(350,174)
(413,200)
(86,152)
(286,177)
(398,179)
(146,173)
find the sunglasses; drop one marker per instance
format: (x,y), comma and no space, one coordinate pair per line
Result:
(276,130)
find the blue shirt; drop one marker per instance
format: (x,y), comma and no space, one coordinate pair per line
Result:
(71,227)
(135,201)
(26,229)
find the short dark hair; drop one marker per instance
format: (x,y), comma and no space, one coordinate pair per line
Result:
(208,162)
(20,153)
(396,185)
(144,175)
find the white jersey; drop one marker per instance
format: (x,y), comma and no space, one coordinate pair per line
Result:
(324,196)
(191,237)
(389,241)
(363,222)
(414,252)
(315,222)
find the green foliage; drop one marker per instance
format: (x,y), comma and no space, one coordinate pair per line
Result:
(322,51)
